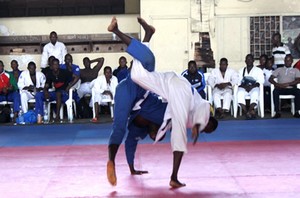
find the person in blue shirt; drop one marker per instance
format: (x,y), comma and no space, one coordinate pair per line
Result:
(142,122)
(74,79)
(68,65)
(195,77)
(127,95)
(122,71)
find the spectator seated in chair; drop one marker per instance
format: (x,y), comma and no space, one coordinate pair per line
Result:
(103,87)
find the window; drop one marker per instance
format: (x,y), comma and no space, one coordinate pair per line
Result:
(290,35)
(261,30)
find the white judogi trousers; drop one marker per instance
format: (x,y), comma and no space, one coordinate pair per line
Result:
(227,97)
(25,96)
(25,81)
(99,85)
(84,89)
(242,93)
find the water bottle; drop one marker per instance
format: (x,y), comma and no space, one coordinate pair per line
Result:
(46,117)
(21,117)
(11,115)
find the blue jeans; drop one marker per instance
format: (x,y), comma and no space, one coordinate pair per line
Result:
(12,97)
(40,99)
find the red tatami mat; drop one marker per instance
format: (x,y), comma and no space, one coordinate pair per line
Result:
(225,169)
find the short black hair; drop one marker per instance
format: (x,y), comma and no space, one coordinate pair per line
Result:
(223,59)
(214,123)
(54,60)
(14,61)
(263,56)
(276,34)
(107,67)
(31,63)
(53,32)
(122,57)
(192,62)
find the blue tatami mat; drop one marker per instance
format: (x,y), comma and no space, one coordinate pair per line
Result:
(94,134)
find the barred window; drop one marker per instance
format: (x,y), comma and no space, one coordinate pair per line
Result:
(261,30)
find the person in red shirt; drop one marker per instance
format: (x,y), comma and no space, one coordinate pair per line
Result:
(297,65)
(6,90)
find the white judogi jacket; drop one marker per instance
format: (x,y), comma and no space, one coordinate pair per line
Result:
(25,80)
(255,72)
(216,77)
(258,75)
(185,106)
(99,85)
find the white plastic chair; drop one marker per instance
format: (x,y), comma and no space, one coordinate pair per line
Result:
(70,104)
(5,103)
(211,101)
(107,100)
(282,97)
(208,89)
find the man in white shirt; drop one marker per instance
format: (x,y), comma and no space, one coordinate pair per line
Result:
(222,80)
(53,48)
(279,50)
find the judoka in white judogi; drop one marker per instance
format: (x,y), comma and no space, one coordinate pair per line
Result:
(26,81)
(185,106)
(99,86)
(257,74)
(216,77)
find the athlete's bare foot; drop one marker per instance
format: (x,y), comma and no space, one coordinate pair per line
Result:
(113,25)
(176,184)
(111,173)
(148,28)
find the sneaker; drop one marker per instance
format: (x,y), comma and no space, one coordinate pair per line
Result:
(277,115)
(94,120)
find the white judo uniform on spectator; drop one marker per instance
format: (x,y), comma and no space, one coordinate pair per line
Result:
(99,85)
(25,81)
(216,77)
(257,74)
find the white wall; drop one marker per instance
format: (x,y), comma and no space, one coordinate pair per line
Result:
(255,7)
(232,36)
(65,25)
(172,46)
